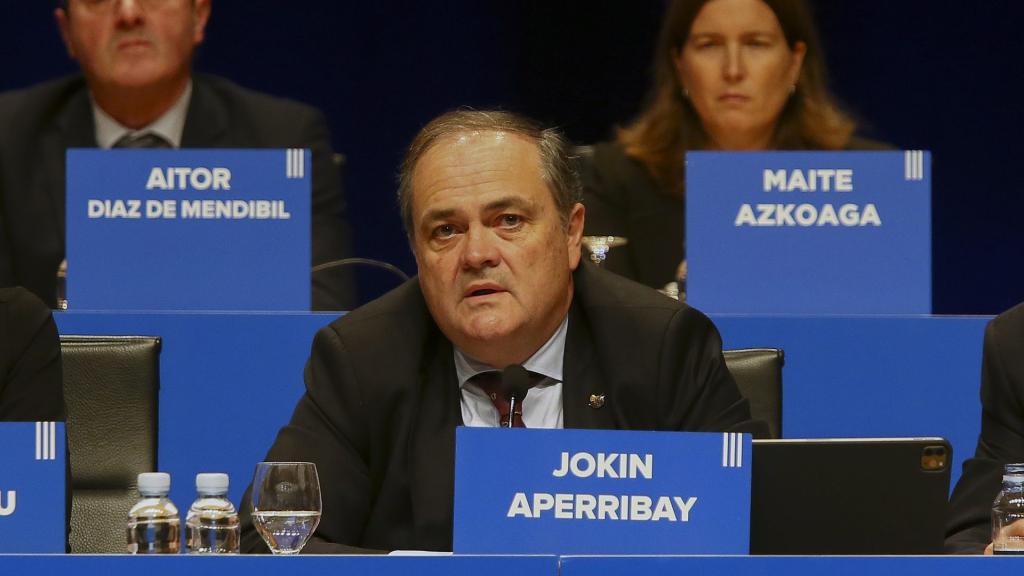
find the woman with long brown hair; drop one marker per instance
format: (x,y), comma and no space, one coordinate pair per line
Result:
(729,75)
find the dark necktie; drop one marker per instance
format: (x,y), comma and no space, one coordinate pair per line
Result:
(490,383)
(146,140)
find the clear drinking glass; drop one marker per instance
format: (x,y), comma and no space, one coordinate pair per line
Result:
(598,246)
(285,504)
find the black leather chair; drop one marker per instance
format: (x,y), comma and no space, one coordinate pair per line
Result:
(758,374)
(111,389)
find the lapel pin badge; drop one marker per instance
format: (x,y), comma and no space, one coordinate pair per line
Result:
(596,400)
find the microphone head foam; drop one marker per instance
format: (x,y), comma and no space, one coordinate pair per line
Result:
(515,381)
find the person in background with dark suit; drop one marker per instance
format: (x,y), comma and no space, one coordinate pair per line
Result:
(137,89)
(1001,442)
(31,383)
(728,75)
(490,203)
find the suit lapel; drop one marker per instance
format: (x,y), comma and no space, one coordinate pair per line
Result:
(432,448)
(582,378)
(73,128)
(206,121)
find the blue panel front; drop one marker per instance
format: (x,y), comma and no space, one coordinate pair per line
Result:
(228,383)
(873,376)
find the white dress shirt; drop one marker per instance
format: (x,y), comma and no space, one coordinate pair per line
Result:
(542,407)
(170,126)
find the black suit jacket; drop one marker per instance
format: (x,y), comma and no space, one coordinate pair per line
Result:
(1001,440)
(31,384)
(382,403)
(41,122)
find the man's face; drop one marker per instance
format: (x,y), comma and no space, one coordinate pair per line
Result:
(495,260)
(133,43)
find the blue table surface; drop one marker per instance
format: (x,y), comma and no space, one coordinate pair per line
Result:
(786,565)
(64,565)
(178,565)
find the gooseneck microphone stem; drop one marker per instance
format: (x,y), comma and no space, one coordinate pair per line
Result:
(513,403)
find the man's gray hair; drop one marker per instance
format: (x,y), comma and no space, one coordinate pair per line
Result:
(558,164)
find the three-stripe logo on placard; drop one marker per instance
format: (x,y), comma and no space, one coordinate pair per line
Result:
(913,165)
(732,450)
(46,440)
(295,163)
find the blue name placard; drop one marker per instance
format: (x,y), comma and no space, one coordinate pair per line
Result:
(188,229)
(809,232)
(32,497)
(601,492)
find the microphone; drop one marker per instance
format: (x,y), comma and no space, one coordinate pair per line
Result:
(515,383)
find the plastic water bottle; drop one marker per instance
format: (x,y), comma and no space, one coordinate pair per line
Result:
(212,522)
(1008,509)
(153,523)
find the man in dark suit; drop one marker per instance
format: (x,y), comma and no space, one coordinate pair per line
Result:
(1001,441)
(31,387)
(138,89)
(491,207)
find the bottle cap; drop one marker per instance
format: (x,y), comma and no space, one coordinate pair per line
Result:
(212,483)
(154,483)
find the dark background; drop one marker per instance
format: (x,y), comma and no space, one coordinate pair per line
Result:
(940,75)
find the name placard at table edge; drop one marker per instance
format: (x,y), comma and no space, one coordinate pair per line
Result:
(532,491)
(188,229)
(32,495)
(809,232)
